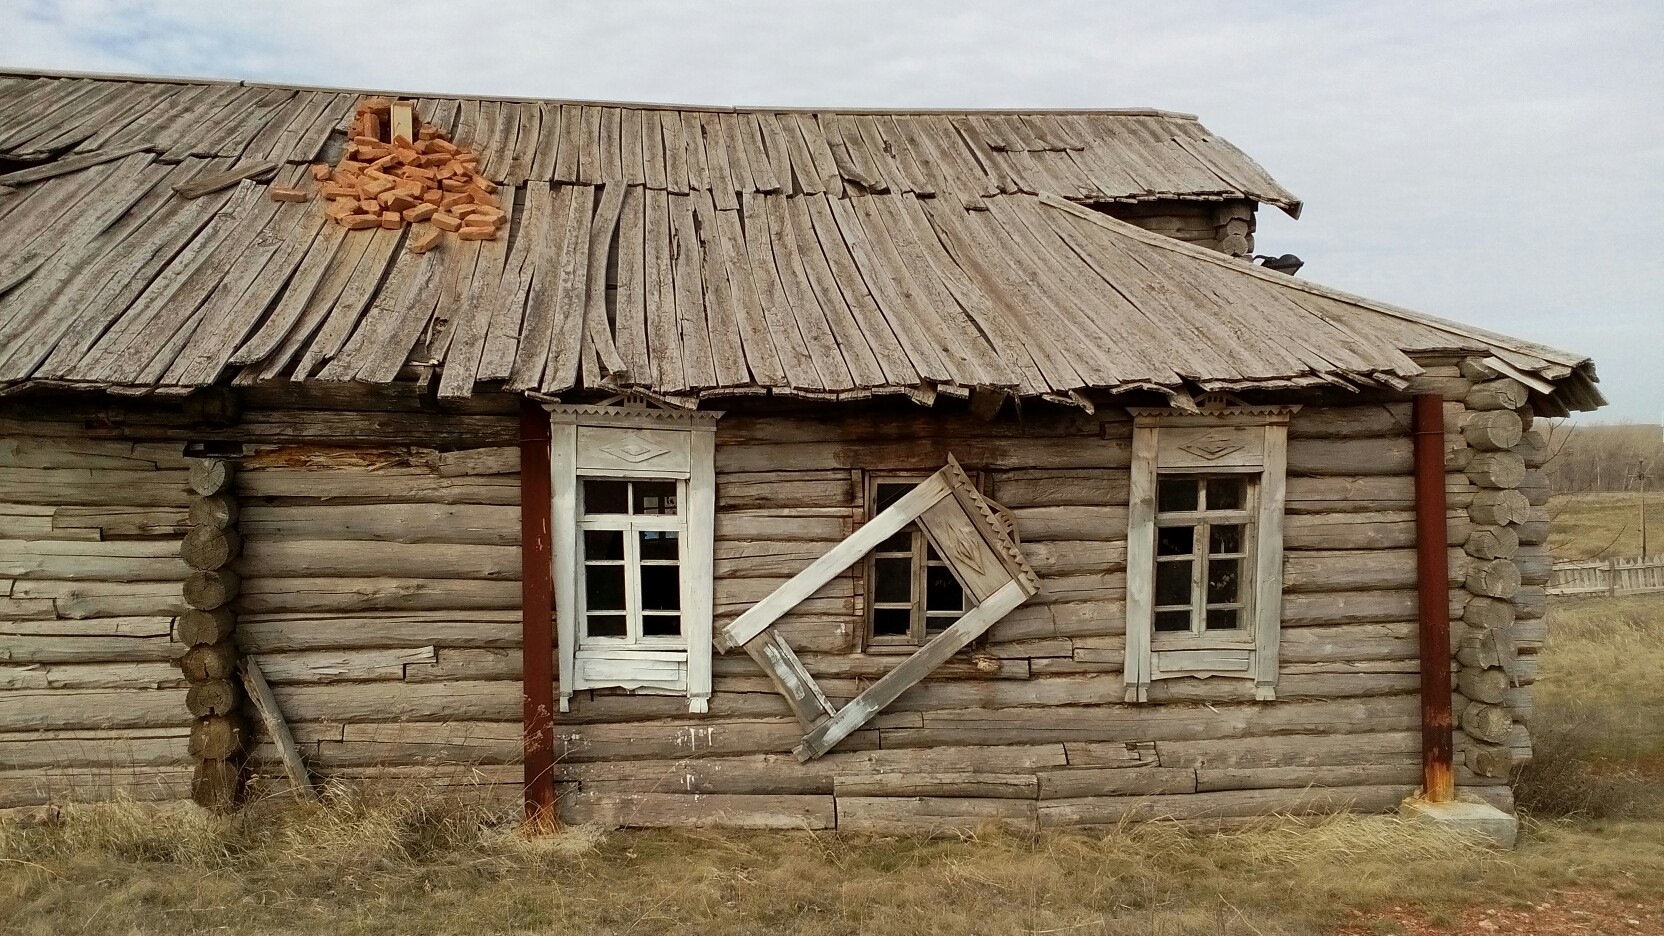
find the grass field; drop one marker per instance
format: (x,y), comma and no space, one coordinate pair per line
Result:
(1591,857)
(1600,526)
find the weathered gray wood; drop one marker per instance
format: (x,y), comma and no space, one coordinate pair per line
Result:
(930,815)
(209,661)
(215,737)
(1404,769)
(217,783)
(61,709)
(1488,613)
(1115,781)
(293,558)
(713,811)
(1491,723)
(1496,470)
(217,511)
(73,164)
(1112,810)
(1493,507)
(1492,542)
(1501,394)
(276,728)
(970,783)
(223,180)
(210,476)
(1498,578)
(206,591)
(1536,488)
(1533,449)
(1493,430)
(1486,685)
(461,524)
(213,697)
(208,548)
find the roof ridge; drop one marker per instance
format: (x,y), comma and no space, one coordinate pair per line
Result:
(6,72)
(1555,355)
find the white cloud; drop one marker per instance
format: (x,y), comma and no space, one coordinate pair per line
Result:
(1496,162)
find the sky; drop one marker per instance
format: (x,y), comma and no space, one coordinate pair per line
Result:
(1498,163)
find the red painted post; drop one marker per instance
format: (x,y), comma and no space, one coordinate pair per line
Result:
(1433,597)
(537,603)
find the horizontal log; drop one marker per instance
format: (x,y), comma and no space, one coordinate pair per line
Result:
(1147,723)
(1362,569)
(89,627)
(346,631)
(1114,810)
(1102,523)
(346,595)
(659,740)
(1493,542)
(37,786)
(1501,394)
(824,524)
(1336,749)
(120,522)
(92,708)
(784,490)
(464,524)
(120,561)
(293,558)
(386,485)
(931,815)
(1395,529)
(926,453)
(218,512)
(466,663)
(105,747)
(66,648)
(1493,507)
(206,591)
(1324,685)
(1065,782)
(1350,642)
(1061,488)
(1391,420)
(389,701)
(210,476)
(1405,772)
(970,783)
(91,454)
(496,460)
(1332,457)
(150,675)
(88,488)
(1495,430)
(1499,470)
(936,695)
(714,811)
(1350,493)
(324,666)
(208,548)
(91,599)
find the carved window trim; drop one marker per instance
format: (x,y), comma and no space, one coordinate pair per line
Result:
(1219,440)
(635,443)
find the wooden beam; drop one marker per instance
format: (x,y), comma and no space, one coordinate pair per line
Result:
(208,184)
(537,601)
(254,683)
(73,164)
(933,654)
(880,528)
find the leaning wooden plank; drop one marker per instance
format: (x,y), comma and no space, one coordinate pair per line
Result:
(903,677)
(789,677)
(224,180)
(904,511)
(276,728)
(77,163)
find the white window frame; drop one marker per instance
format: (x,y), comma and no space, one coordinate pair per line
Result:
(634,444)
(1218,440)
(918,631)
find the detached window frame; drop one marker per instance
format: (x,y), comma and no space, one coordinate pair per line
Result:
(1243,451)
(601,452)
(911,546)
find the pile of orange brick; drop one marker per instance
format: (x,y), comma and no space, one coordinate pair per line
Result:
(396,172)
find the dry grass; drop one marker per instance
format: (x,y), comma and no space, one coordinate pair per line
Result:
(419,864)
(1600,526)
(411,865)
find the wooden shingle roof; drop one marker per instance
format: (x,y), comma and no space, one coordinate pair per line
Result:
(815,254)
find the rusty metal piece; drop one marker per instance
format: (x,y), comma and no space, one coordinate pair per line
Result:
(1433,600)
(537,603)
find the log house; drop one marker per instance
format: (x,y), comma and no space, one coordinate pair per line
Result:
(883,471)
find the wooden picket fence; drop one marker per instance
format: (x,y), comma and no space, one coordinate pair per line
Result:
(1628,576)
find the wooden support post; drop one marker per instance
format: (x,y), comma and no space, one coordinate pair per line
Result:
(1432,579)
(537,602)
(271,716)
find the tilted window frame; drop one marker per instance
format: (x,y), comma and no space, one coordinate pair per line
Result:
(919,632)
(1217,440)
(638,444)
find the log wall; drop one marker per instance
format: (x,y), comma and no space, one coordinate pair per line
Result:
(1227,227)
(379,593)
(92,703)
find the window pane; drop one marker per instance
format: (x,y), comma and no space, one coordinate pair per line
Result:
(661,625)
(603,545)
(1168,621)
(653,497)
(891,622)
(892,580)
(607,625)
(1173,583)
(661,588)
(936,623)
(658,546)
(1175,494)
(1175,541)
(1224,580)
(1226,493)
(942,591)
(901,542)
(888,492)
(605,497)
(1225,538)
(604,587)
(1223,619)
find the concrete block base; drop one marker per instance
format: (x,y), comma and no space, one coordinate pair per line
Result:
(1468,816)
